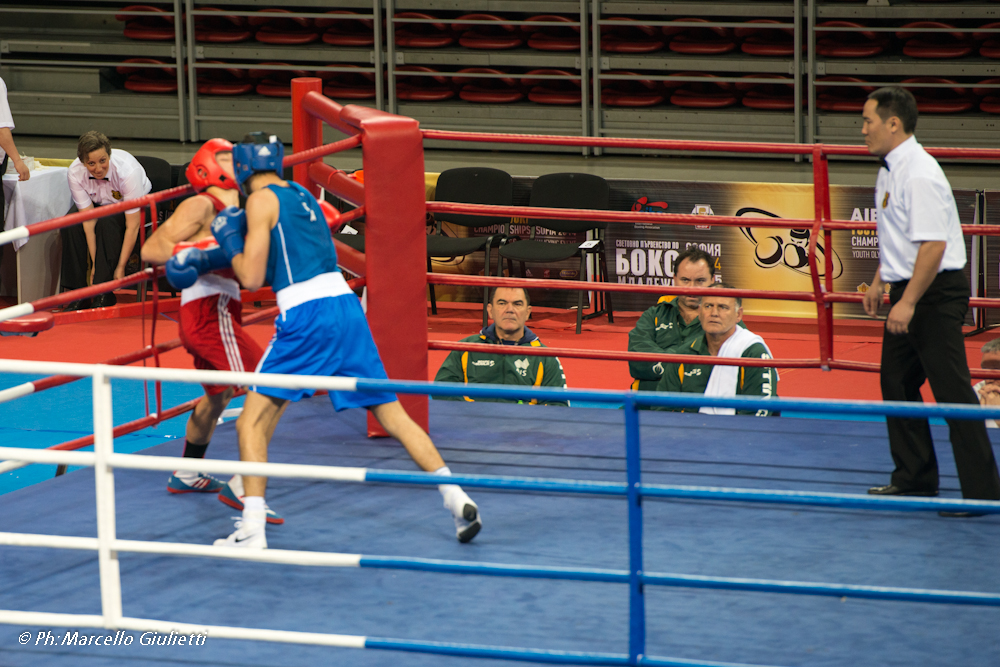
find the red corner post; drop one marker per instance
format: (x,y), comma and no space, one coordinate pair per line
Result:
(395,248)
(307,130)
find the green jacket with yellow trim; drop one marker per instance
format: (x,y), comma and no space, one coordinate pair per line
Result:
(693,378)
(483,368)
(661,329)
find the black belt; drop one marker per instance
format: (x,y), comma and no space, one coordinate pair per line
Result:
(901,284)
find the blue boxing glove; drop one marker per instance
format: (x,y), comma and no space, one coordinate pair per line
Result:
(184,268)
(229,228)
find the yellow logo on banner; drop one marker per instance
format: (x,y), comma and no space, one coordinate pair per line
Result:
(116,194)
(864,287)
(885,200)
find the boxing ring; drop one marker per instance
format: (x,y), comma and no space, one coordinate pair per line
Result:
(391,185)
(108,546)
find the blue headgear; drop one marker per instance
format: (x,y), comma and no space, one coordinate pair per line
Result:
(257,152)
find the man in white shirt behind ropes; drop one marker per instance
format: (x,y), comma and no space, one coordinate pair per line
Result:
(98,177)
(988,391)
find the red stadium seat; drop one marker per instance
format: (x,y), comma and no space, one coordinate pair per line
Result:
(843,98)
(989,41)
(347,31)
(480,36)
(941,100)
(859,44)
(935,45)
(275,82)
(632,92)
(699,40)
(221,29)
(990,102)
(552,91)
(703,95)
(637,38)
(760,41)
(149,75)
(768,96)
(501,90)
(552,38)
(422,88)
(229,81)
(147,27)
(284,30)
(348,85)
(422,35)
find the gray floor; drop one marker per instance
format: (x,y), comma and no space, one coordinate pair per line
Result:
(674,168)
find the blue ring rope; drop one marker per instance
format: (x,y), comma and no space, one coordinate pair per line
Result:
(504,653)
(618,489)
(536,655)
(683,580)
(664,399)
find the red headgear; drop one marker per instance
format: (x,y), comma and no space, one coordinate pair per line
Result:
(205,171)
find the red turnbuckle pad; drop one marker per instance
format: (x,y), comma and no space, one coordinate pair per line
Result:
(28,325)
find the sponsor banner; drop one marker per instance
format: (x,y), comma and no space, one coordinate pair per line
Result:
(746,257)
(749,257)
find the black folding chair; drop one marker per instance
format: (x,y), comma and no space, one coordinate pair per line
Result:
(470,185)
(576,191)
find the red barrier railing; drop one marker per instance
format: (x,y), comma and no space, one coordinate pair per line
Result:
(823,293)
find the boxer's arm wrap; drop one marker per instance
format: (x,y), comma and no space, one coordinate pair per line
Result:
(229,228)
(184,268)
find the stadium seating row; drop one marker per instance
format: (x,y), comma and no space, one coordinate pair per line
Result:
(416,83)
(624,35)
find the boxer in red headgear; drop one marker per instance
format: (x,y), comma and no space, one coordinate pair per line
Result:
(210,315)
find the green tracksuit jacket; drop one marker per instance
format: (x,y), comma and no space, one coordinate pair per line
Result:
(693,378)
(482,368)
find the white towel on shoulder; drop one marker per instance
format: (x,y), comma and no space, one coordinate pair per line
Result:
(723,380)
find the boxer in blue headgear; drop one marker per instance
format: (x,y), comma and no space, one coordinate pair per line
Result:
(282,238)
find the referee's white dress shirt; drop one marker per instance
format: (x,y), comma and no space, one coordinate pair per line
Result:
(126,179)
(915,204)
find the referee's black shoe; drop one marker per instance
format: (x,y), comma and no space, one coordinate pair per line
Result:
(893,490)
(79,304)
(105,300)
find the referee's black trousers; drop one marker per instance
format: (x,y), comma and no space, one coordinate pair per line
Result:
(934,349)
(110,233)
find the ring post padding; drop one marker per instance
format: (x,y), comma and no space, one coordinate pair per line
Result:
(307,130)
(28,324)
(395,248)
(637,602)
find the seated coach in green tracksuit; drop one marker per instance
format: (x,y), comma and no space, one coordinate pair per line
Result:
(509,308)
(719,317)
(670,325)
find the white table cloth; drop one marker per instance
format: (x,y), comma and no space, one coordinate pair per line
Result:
(43,196)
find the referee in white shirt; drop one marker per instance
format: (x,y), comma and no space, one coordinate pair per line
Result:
(921,255)
(99,177)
